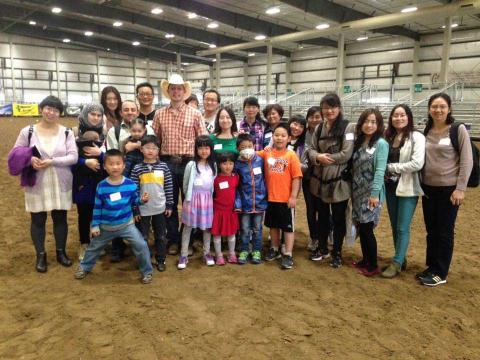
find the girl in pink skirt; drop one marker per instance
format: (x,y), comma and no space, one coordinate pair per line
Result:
(197,209)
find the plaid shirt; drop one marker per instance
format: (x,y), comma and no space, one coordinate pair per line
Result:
(178,128)
(255,130)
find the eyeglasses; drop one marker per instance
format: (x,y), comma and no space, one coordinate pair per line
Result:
(144,95)
(210,100)
(151,148)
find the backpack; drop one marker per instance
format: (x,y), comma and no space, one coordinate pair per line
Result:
(474,179)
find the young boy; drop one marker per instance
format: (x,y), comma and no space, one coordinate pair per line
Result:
(251,198)
(152,176)
(283,175)
(115,200)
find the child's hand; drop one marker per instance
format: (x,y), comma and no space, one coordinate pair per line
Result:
(168,213)
(92,164)
(92,150)
(238,210)
(95,233)
(292,202)
(138,218)
(145,197)
(267,148)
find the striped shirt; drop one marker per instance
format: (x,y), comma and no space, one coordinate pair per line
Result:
(177,129)
(156,180)
(114,205)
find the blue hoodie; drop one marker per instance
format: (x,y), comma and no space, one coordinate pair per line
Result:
(251,194)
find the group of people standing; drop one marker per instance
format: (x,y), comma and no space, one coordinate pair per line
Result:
(128,163)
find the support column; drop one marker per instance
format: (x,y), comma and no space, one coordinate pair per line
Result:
(340,64)
(415,64)
(148,70)
(217,75)
(211,77)
(288,76)
(134,63)
(245,77)
(12,72)
(269,73)
(57,70)
(99,85)
(179,63)
(447,39)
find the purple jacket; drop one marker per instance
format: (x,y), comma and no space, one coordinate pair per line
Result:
(19,161)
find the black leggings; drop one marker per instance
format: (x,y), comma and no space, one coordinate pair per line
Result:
(60,229)
(339,224)
(85,214)
(368,242)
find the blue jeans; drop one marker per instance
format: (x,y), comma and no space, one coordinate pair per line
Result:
(251,227)
(400,211)
(131,235)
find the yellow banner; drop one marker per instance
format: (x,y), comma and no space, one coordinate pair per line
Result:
(25,109)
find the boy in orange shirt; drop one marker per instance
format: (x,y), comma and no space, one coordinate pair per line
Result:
(283,176)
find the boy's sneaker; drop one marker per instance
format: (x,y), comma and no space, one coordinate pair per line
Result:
(312,245)
(243,257)
(80,273)
(256,257)
(287,262)
(182,262)
(161,265)
(433,280)
(147,279)
(232,258)
(273,255)
(317,255)
(220,260)
(336,261)
(209,261)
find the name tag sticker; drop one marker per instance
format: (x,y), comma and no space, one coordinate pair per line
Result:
(158,173)
(218,147)
(290,147)
(444,141)
(150,122)
(223,185)
(257,171)
(271,161)
(349,136)
(198,182)
(370,150)
(268,135)
(115,196)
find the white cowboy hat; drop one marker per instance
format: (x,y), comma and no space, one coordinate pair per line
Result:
(176,79)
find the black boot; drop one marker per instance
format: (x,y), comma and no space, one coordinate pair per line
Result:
(41,262)
(63,259)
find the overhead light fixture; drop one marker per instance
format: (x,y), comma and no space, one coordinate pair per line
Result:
(32,22)
(66,40)
(212,25)
(169,36)
(117,23)
(156,11)
(108,49)
(322,26)
(212,46)
(136,43)
(251,54)
(454,25)
(362,38)
(88,33)
(273,10)
(214,60)
(185,63)
(192,15)
(409,9)
(56,10)
(260,37)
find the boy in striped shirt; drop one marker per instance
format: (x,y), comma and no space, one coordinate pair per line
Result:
(152,176)
(116,202)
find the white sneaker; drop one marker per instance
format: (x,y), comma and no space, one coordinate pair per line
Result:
(81,252)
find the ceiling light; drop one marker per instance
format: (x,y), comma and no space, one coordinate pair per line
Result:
(192,15)
(56,10)
(108,49)
(117,23)
(251,54)
(32,22)
(214,60)
(212,46)
(260,37)
(156,11)
(273,10)
(362,38)
(169,36)
(88,33)
(322,26)
(454,25)
(136,43)
(409,9)
(212,25)
(186,64)
(66,40)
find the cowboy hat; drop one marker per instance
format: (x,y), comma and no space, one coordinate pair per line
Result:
(176,79)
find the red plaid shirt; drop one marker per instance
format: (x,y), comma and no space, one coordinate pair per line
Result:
(178,128)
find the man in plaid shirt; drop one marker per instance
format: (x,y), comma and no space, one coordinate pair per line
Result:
(176,126)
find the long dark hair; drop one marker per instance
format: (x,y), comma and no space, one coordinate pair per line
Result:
(391,132)
(300,120)
(217,130)
(333,100)
(103,100)
(450,118)
(204,140)
(312,110)
(360,136)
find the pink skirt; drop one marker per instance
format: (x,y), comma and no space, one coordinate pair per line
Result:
(198,213)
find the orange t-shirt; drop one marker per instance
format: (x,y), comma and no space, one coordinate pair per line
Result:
(281,167)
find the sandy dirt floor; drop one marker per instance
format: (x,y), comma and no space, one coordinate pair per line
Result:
(233,312)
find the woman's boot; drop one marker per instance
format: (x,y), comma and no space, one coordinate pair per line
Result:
(63,259)
(41,265)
